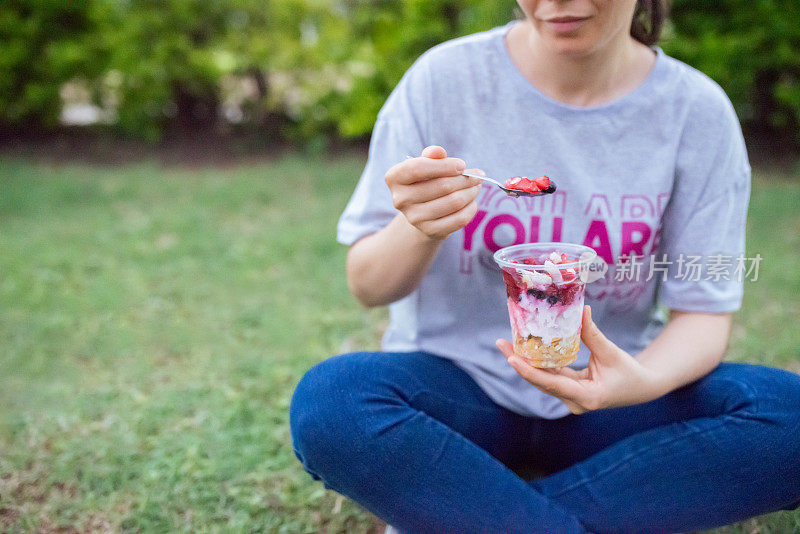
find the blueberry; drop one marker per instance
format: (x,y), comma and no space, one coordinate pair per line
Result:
(552,299)
(538,293)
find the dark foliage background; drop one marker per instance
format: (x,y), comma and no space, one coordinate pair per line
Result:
(315,70)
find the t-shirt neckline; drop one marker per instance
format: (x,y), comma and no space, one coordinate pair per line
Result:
(520,79)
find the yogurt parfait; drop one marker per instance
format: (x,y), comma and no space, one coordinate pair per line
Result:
(545,284)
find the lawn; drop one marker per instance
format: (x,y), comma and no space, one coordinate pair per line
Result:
(153,323)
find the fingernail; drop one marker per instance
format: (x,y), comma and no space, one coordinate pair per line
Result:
(460,164)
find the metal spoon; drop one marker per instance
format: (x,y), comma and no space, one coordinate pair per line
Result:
(510,192)
(513,192)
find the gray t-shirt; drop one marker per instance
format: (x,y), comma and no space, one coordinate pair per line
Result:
(662,170)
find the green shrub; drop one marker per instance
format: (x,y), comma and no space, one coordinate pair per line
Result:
(752,49)
(42,45)
(312,69)
(391,36)
(324,67)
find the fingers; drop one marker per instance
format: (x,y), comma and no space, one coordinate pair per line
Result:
(404,196)
(569,372)
(443,227)
(420,169)
(505,347)
(555,383)
(442,206)
(433,163)
(591,335)
(476,171)
(603,350)
(434,152)
(432,193)
(508,351)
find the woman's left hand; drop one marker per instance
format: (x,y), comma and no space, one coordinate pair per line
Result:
(613,377)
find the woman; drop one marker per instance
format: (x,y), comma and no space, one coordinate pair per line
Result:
(435,433)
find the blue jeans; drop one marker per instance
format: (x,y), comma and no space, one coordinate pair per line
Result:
(413,439)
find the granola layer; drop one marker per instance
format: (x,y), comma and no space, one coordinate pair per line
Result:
(558,353)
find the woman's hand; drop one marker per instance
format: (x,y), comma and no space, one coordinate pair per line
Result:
(432,193)
(613,377)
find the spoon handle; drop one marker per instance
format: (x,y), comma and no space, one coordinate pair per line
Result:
(484,178)
(478,176)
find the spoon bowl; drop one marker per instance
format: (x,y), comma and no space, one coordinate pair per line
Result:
(513,192)
(510,192)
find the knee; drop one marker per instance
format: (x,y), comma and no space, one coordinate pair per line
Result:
(768,392)
(322,416)
(729,389)
(310,410)
(739,388)
(767,401)
(779,404)
(770,397)
(779,410)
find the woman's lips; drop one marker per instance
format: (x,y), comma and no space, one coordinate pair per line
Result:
(565,24)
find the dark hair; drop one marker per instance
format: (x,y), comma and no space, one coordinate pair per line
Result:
(648,20)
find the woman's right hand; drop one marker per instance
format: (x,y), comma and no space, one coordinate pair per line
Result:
(432,193)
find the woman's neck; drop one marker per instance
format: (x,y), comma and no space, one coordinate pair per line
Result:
(580,80)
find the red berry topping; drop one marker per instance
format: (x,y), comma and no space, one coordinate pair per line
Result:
(568,293)
(566,275)
(512,287)
(543,182)
(521,183)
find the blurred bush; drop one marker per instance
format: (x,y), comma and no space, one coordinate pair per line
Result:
(43,45)
(313,69)
(752,49)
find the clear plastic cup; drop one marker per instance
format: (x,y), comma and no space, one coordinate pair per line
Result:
(545,299)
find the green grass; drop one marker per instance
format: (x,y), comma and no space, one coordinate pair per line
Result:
(153,324)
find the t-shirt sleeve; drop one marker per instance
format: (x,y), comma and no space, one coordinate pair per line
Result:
(399,132)
(704,222)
